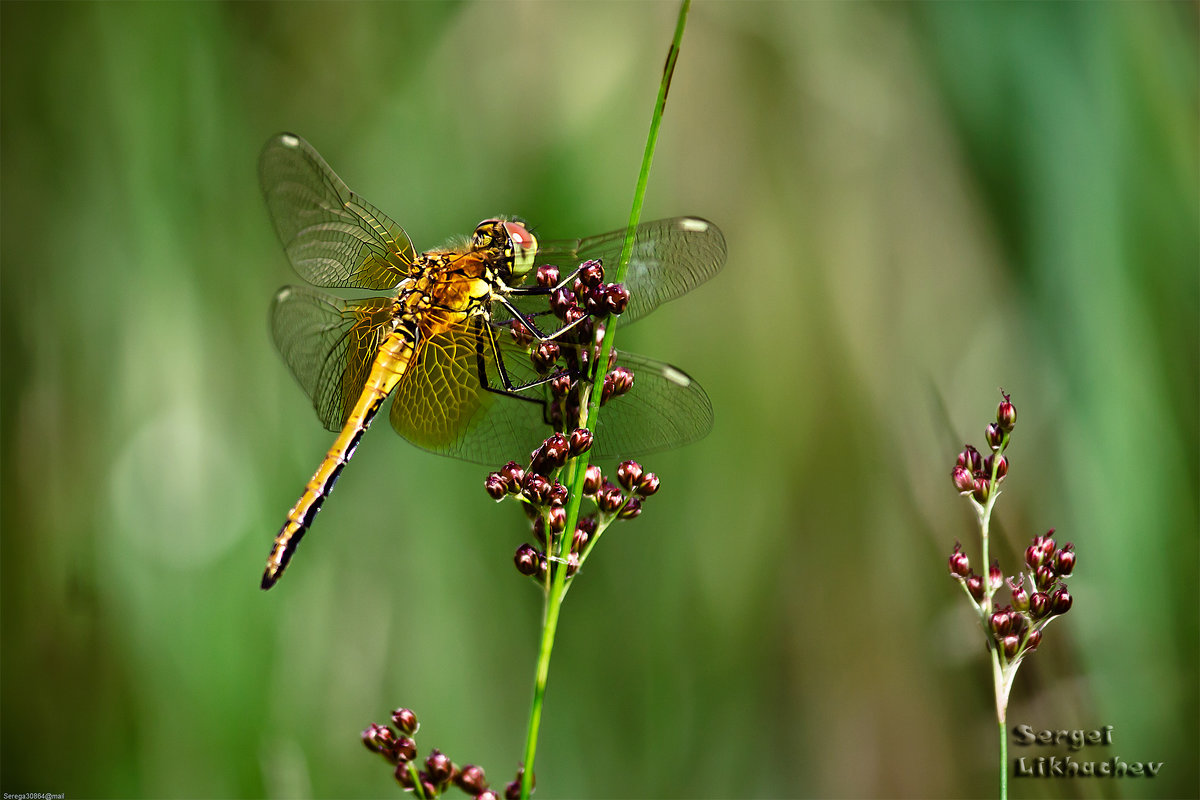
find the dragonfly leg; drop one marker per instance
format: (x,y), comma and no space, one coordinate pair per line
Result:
(509,388)
(528,323)
(536,290)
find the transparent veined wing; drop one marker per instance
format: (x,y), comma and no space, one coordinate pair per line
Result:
(329,345)
(332,236)
(442,406)
(670,257)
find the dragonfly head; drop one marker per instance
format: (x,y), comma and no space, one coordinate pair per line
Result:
(512,242)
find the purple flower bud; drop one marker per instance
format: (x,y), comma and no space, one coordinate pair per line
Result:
(496,486)
(581,441)
(975,587)
(629,473)
(648,485)
(963,480)
(591,274)
(513,476)
(592,480)
(631,509)
(983,488)
(536,489)
(995,435)
(438,765)
(1020,597)
(1001,622)
(471,780)
(1064,560)
(406,749)
(1006,414)
(1039,605)
(1001,462)
(1043,577)
(1060,601)
(995,576)
(1011,644)
(544,355)
(960,565)
(556,519)
(405,721)
(1033,640)
(380,739)
(526,559)
(547,276)
(970,459)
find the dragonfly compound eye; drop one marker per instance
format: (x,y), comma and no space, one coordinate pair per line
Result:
(524,248)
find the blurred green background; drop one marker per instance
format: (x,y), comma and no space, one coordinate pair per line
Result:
(922,203)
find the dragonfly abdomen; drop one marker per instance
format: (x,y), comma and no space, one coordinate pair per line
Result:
(388,367)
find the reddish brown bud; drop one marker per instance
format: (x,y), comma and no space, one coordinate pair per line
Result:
(632,508)
(591,274)
(1033,640)
(1020,597)
(1064,560)
(1001,622)
(616,298)
(536,489)
(405,721)
(513,476)
(544,355)
(648,485)
(560,384)
(975,587)
(1001,462)
(380,739)
(547,276)
(471,779)
(970,459)
(609,500)
(963,480)
(995,576)
(1043,577)
(629,473)
(983,488)
(496,486)
(994,435)
(960,566)
(1060,601)
(556,519)
(1011,644)
(521,333)
(592,480)
(526,558)
(581,441)
(1039,605)
(1006,414)
(561,301)
(438,766)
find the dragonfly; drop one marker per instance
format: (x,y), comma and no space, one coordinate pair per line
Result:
(437,339)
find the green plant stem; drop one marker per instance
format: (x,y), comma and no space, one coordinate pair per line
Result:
(1001,676)
(577,468)
(1003,762)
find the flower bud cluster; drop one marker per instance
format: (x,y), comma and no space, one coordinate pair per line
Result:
(1037,596)
(582,301)
(977,476)
(545,501)
(1017,628)
(395,743)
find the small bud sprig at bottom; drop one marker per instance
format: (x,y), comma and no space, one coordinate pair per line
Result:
(398,748)
(1014,630)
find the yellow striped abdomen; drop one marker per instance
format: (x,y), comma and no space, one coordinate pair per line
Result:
(387,369)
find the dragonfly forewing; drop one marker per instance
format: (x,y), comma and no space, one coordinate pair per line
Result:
(332,236)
